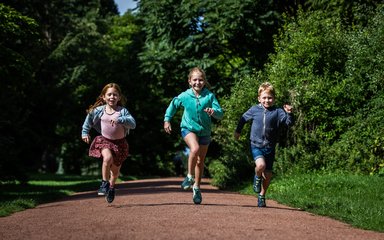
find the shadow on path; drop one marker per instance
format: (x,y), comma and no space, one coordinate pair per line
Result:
(147,186)
(205,204)
(161,186)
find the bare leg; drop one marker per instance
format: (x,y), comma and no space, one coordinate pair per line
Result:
(115,172)
(199,169)
(260,166)
(107,162)
(266,182)
(192,141)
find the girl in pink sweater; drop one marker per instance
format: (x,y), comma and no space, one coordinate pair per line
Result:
(112,120)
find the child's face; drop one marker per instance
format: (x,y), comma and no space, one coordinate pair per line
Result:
(111,97)
(266,99)
(196,81)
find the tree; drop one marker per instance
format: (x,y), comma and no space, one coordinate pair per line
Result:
(223,37)
(18,34)
(54,20)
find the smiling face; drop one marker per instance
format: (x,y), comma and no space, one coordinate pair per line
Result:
(196,81)
(111,97)
(267,99)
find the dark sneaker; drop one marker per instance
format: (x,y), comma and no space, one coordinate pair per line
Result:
(197,198)
(187,183)
(257,184)
(104,187)
(110,196)
(261,201)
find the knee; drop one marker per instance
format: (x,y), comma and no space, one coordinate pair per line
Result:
(194,151)
(260,165)
(108,159)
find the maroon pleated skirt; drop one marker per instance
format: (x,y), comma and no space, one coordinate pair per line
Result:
(119,148)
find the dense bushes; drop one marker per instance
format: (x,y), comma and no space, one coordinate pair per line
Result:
(333,75)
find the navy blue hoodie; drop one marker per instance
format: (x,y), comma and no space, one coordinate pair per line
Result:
(265,124)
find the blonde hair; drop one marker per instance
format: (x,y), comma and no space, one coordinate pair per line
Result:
(100,101)
(199,70)
(266,87)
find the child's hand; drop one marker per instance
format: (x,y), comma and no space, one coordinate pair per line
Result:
(86,139)
(288,108)
(113,122)
(167,127)
(210,111)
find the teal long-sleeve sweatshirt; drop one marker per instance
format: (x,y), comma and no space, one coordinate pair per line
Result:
(194,118)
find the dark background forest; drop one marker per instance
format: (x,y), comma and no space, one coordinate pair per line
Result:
(325,57)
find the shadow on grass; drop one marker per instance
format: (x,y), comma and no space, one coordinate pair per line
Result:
(42,188)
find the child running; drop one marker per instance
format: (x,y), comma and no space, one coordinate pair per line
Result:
(199,105)
(112,120)
(266,121)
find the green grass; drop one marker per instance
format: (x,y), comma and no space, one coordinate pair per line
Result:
(354,199)
(42,188)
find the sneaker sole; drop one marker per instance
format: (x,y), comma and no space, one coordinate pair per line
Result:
(186,188)
(101,194)
(106,198)
(108,201)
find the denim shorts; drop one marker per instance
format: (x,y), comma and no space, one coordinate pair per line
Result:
(267,153)
(203,140)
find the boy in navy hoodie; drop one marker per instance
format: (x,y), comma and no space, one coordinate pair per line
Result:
(266,121)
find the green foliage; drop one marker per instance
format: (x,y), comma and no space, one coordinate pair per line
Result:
(307,70)
(361,148)
(309,52)
(332,74)
(18,34)
(223,37)
(350,12)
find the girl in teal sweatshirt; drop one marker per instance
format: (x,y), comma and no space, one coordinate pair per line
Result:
(199,105)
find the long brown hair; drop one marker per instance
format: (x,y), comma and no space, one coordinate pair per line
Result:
(100,101)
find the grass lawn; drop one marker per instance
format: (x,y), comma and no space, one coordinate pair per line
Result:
(42,188)
(354,199)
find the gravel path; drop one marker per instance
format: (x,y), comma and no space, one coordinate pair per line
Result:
(159,209)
